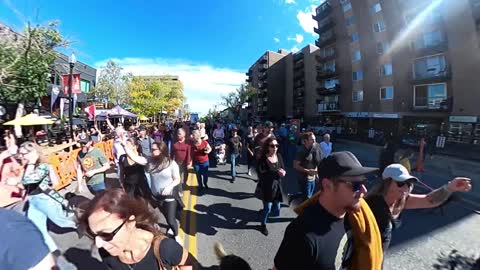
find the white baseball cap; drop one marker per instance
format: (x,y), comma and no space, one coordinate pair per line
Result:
(398,173)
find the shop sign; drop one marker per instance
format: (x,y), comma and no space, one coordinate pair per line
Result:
(385,115)
(463,119)
(357,114)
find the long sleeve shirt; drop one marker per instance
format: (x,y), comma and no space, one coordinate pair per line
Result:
(181,153)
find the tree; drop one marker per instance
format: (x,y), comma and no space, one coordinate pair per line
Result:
(26,60)
(112,84)
(235,100)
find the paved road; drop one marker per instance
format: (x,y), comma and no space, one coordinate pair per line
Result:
(228,213)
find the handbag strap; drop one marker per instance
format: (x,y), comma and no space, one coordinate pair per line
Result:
(157,239)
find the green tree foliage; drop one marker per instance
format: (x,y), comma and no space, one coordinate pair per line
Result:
(234,100)
(112,85)
(26,59)
(150,97)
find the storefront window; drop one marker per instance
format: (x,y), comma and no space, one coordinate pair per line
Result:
(460,132)
(476,134)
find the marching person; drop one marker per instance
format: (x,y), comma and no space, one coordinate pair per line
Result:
(181,153)
(326,146)
(200,151)
(388,199)
(306,162)
(165,176)
(132,174)
(91,165)
(235,149)
(125,228)
(270,170)
(335,229)
(252,132)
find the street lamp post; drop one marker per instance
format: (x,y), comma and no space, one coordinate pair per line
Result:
(71,60)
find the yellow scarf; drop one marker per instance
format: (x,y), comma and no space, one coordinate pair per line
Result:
(367,243)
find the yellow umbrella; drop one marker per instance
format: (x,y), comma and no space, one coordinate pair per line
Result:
(143,118)
(29,120)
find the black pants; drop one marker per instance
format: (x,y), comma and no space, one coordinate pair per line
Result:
(183,176)
(168,209)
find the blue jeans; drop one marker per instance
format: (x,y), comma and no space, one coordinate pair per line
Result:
(201,169)
(233,160)
(42,207)
(267,209)
(97,188)
(309,188)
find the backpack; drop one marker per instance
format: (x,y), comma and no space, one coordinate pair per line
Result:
(157,239)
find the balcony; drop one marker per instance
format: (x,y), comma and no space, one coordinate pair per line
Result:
(433,105)
(298,84)
(298,56)
(299,65)
(263,76)
(262,67)
(322,42)
(329,91)
(432,77)
(299,75)
(325,58)
(264,58)
(327,25)
(430,50)
(262,85)
(323,10)
(326,73)
(332,106)
(300,92)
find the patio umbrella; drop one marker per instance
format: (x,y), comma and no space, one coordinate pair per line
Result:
(119,111)
(29,120)
(143,118)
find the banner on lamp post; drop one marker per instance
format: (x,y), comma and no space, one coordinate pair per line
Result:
(76,89)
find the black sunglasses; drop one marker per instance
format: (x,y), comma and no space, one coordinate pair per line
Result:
(273,145)
(104,235)
(401,184)
(356,185)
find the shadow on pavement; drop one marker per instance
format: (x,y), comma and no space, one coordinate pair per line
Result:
(227,194)
(83,259)
(456,261)
(221,216)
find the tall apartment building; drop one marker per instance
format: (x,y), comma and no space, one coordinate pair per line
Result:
(401,66)
(267,76)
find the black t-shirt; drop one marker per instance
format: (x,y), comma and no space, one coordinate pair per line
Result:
(309,158)
(386,223)
(234,144)
(170,251)
(315,240)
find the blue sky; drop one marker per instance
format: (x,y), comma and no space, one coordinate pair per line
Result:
(209,44)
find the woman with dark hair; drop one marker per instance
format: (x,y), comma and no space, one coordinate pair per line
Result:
(132,175)
(165,176)
(270,170)
(125,228)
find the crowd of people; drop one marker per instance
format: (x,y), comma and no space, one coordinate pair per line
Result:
(152,165)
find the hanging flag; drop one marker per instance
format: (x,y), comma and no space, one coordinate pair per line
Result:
(90,110)
(75,97)
(76,89)
(54,96)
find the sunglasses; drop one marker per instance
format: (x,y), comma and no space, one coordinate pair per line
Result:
(273,145)
(401,184)
(356,185)
(104,235)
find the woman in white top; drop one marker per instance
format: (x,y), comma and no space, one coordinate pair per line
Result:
(165,176)
(326,146)
(218,133)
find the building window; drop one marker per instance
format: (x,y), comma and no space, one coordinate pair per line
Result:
(430,96)
(429,39)
(329,66)
(379,26)
(382,47)
(355,37)
(357,96)
(386,93)
(376,8)
(85,86)
(331,83)
(347,6)
(357,75)
(431,66)
(350,21)
(356,56)
(328,51)
(386,70)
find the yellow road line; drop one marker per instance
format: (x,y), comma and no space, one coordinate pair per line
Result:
(192,237)
(183,218)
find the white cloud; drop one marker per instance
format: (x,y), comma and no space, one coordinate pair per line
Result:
(289,1)
(299,38)
(203,84)
(305,19)
(294,49)
(277,40)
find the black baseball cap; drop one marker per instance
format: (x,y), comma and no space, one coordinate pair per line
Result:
(342,164)
(142,127)
(268,124)
(84,138)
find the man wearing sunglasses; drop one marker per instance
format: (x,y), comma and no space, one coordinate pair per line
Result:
(393,194)
(320,237)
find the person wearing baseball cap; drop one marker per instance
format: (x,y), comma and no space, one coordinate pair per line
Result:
(91,166)
(321,237)
(393,194)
